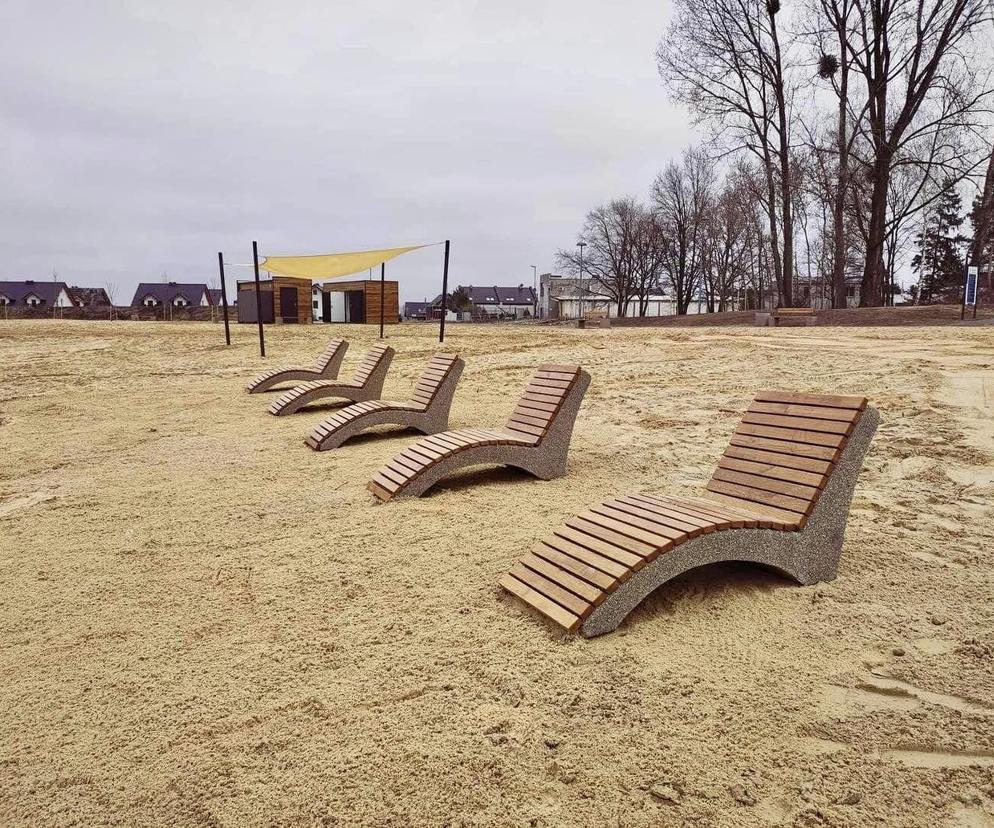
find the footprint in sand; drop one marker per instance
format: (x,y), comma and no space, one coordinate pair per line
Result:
(928,557)
(934,646)
(877,693)
(26,502)
(967,817)
(973,394)
(920,757)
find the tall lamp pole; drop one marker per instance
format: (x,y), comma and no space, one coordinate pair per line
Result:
(534,291)
(583,290)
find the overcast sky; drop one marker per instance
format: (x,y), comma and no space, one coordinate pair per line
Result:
(143,137)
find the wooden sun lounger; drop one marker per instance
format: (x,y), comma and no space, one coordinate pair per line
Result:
(326,368)
(536,438)
(366,384)
(780,497)
(427,411)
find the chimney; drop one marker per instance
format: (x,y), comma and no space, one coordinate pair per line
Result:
(29,281)
(172,284)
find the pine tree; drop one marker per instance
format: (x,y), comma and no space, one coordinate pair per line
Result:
(984,257)
(939,261)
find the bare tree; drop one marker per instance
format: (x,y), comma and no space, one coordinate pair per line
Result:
(682,196)
(648,258)
(914,56)
(724,244)
(608,234)
(724,60)
(835,64)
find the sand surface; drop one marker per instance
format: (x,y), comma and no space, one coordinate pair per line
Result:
(203,622)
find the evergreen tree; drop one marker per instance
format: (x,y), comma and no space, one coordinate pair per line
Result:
(987,253)
(939,261)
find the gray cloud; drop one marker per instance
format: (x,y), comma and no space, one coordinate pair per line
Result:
(142,137)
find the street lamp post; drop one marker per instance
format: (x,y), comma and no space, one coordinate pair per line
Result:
(534,291)
(583,291)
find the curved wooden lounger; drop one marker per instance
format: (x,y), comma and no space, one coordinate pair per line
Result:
(366,384)
(326,368)
(536,439)
(427,411)
(779,497)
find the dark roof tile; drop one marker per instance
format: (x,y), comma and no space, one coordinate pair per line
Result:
(17,292)
(165,292)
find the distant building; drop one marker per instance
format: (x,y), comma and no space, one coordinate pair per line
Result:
(496,302)
(157,294)
(569,297)
(819,294)
(217,298)
(36,294)
(362,301)
(85,297)
(416,310)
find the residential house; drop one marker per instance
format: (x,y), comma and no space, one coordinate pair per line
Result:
(86,297)
(416,310)
(179,295)
(36,294)
(496,302)
(217,298)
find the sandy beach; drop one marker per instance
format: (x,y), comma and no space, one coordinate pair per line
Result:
(204,623)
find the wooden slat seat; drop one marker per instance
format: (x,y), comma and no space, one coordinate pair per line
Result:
(366,384)
(535,438)
(809,316)
(427,410)
(325,368)
(777,486)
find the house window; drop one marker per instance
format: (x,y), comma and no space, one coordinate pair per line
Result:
(150,301)
(4,300)
(180,302)
(32,300)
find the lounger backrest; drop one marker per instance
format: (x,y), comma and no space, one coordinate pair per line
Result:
(369,363)
(537,409)
(328,354)
(784,451)
(434,375)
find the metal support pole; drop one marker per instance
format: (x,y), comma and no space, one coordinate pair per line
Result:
(445,290)
(258,299)
(966,287)
(534,291)
(383,272)
(224,298)
(583,289)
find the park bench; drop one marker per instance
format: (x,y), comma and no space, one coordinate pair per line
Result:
(804,316)
(597,318)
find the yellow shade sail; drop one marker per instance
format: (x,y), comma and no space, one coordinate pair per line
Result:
(332,265)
